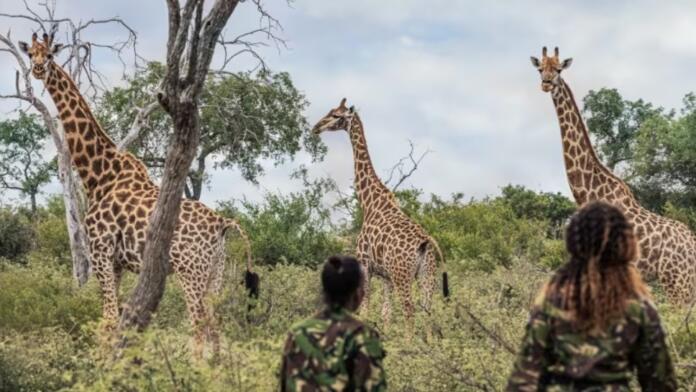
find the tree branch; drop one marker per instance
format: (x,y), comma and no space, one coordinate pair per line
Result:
(404,174)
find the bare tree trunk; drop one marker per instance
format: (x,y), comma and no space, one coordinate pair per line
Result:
(72,198)
(190,47)
(153,274)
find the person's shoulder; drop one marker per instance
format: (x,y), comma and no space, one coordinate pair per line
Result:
(314,323)
(642,310)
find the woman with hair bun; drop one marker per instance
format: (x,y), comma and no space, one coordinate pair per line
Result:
(333,351)
(593,324)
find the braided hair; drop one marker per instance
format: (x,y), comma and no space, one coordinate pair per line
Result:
(595,285)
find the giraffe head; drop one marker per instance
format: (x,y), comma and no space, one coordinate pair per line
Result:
(550,69)
(41,53)
(337,119)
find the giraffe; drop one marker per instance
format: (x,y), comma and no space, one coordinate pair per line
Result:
(667,247)
(390,244)
(120,200)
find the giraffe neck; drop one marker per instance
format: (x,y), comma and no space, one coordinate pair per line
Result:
(91,150)
(587,175)
(367,185)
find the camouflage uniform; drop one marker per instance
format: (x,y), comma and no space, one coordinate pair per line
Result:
(554,357)
(332,352)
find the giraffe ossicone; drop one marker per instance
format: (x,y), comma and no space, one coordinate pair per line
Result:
(667,247)
(390,244)
(121,197)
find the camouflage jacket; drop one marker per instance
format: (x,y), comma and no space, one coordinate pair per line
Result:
(553,357)
(332,352)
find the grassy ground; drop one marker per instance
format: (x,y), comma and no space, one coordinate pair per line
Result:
(48,340)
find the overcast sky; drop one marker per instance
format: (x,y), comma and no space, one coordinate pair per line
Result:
(452,76)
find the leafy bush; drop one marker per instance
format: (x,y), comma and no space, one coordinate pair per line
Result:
(292,229)
(16,235)
(41,296)
(52,233)
(475,336)
(480,234)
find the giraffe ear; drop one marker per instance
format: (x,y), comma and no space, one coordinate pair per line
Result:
(566,63)
(57,48)
(343,103)
(24,47)
(535,61)
(351,109)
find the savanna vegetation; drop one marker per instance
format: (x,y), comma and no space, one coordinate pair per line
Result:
(498,249)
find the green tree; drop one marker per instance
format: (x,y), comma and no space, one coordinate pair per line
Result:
(527,204)
(245,118)
(614,122)
(22,164)
(657,148)
(295,228)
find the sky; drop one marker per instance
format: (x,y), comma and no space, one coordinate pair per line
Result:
(453,77)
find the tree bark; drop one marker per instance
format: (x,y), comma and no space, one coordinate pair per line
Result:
(153,273)
(190,47)
(72,198)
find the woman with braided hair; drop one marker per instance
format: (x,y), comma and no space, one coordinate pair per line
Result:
(593,324)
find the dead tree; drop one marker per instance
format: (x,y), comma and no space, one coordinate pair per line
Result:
(191,43)
(79,65)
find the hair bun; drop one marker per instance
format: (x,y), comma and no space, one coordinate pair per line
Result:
(335,262)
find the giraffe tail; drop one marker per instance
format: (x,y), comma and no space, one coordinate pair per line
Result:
(445,277)
(251,279)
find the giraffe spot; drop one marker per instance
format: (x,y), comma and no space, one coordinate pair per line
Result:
(64,115)
(90,150)
(122,197)
(97,166)
(116,165)
(72,104)
(91,183)
(69,127)
(140,212)
(79,113)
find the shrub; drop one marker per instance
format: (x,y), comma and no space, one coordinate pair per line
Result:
(480,234)
(16,235)
(290,229)
(52,233)
(40,296)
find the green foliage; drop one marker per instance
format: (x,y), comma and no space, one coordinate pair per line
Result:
(293,228)
(543,206)
(657,148)
(245,118)
(22,167)
(480,234)
(615,122)
(52,241)
(42,295)
(16,235)
(474,337)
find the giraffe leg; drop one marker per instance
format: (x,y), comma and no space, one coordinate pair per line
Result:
(386,302)
(102,255)
(194,294)
(426,280)
(402,283)
(363,255)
